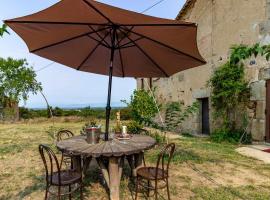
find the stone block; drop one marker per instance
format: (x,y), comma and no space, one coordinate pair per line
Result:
(264,27)
(201,93)
(258,91)
(260,110)
(264,74)
(258,129)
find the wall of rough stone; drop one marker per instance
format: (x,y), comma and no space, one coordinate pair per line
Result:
(222,23)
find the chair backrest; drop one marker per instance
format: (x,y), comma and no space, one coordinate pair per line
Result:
(50,162)
(164,159)
(64,134)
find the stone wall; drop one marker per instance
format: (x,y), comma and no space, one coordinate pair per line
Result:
(222,23)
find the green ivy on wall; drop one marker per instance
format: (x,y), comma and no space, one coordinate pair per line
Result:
(229,87)
(176,114)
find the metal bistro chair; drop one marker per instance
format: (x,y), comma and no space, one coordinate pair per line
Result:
(66,158)
(157,174)
(57,177)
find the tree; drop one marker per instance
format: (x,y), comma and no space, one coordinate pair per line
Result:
(17,80)
(142,105)
(3,30)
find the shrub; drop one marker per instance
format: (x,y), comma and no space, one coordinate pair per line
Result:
(232,136)
(134,127)
(142,105)
(58,112)
(160,138)
(25,113)
(126,113)
(86,112)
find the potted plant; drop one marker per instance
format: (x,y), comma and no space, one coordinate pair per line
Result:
(92,132)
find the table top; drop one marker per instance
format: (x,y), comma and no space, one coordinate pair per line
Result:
(77,145)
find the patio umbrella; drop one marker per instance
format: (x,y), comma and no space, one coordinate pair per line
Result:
(94,37)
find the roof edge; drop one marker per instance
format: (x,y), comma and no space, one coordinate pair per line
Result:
(186,7)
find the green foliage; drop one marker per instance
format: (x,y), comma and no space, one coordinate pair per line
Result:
(176,114)
(3,30)
(86,112)
(89,113)
(57,112)
(134,127)
(17,80)
(160,138)
(126,113)
(142,105)
(229,88)
(228,135)
(230,92)
(25,113)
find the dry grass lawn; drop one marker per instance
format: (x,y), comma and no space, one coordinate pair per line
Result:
(201,170)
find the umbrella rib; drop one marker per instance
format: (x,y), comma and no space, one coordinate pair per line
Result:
(50,22)
(66,40)
(192,24)
(127,43)
(124,37)
(98,11)
(165,45)
(99,35)
(124,47)
(87,23)
(121,58)
(91,53)
(147,55)
(104,45)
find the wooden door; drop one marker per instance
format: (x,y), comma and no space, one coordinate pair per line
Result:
(205,116)
(267,112)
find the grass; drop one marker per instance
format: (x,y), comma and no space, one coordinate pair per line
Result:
(200,169)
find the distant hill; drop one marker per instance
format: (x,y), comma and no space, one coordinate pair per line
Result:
(77,106)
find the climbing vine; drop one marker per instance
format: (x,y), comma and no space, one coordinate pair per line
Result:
(229,87)
(176,114)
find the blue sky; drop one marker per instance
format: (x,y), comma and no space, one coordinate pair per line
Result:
(63,85)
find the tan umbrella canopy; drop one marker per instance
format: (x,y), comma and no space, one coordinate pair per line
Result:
(94,37)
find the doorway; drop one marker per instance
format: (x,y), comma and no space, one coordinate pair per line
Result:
(205,116)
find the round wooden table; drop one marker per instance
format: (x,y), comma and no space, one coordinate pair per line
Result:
(109,155)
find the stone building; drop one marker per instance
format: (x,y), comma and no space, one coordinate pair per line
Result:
(221,23)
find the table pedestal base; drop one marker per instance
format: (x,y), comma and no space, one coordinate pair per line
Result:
(112,172)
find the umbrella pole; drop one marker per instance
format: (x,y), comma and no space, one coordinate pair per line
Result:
(108,107)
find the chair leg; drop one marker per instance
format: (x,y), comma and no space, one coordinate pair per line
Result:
(81,190)
(71,163)
(69,190)
(156,193)
(136,189)
(59,193)
(61,162)
(168,190)
(46,193)
(148,189)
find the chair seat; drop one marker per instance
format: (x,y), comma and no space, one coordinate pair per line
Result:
(67,177)
(150,173)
